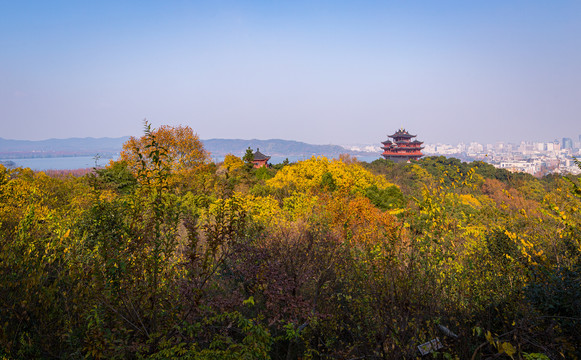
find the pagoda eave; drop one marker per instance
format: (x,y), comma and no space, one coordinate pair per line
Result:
(403,155)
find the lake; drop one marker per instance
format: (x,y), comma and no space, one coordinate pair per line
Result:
(83,162)
(60,163)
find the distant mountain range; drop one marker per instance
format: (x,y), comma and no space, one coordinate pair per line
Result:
(275,147)
(14,149)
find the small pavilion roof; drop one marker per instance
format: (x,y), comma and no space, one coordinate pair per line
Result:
(260,156)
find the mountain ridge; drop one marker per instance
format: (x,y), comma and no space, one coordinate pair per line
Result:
(218,147)
(87,146)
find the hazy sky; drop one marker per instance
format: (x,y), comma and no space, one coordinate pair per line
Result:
(323,72)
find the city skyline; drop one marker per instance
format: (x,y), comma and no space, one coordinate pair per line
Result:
(319,72)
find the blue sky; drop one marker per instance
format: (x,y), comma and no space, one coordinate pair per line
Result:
(324,72)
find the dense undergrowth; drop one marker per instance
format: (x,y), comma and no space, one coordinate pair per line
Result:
(165,255)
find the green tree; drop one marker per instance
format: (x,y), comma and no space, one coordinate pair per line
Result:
(118,177)
(248,157)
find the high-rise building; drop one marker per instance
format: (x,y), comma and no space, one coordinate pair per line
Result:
(567,143)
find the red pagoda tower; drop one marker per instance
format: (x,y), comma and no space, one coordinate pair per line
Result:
(402,148)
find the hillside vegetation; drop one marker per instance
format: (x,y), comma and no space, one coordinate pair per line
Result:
(166,255)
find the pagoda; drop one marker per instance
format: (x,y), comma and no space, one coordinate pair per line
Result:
(260,160)
(402,148)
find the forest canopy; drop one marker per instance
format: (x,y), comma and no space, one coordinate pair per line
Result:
(166,255)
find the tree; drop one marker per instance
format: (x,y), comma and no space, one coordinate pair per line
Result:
(322,174)
(248,156)
(117,176)
(184,149)
(232,163)
(185,157)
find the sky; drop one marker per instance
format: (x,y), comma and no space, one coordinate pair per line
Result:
(322,72)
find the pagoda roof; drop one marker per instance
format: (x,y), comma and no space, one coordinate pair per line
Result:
(402,133)
(400,152)
(387,142)
(258,156)
(402,155)
(408,143)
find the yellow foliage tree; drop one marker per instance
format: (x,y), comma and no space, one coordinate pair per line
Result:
(184,149)
(184,155)
(232,162)
(311,174)
(359,222)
